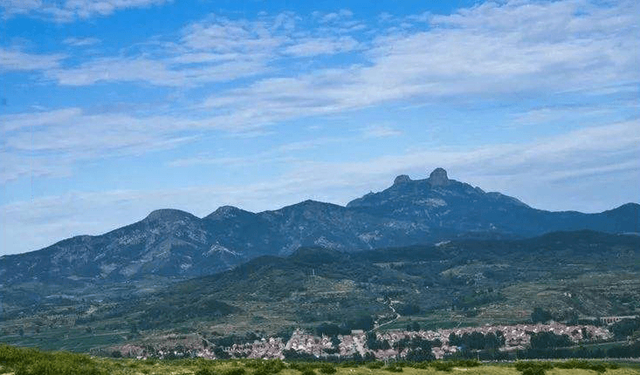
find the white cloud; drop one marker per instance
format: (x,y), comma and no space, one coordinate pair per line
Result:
(151,71)
(70,10)
(222,35)
(280,154)
(16,60)
(20,6)
(491,49)
(489,52)
(321,46)
(214,50)
(334,16)
(81,42)
(380,131)
(573,113)
(51,143)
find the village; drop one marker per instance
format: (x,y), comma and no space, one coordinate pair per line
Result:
(307,345)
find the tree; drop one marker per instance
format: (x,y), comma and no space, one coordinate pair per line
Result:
(625,328)
(544,340)
(540,315)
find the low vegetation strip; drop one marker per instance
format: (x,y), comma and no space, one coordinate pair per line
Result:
(23,361)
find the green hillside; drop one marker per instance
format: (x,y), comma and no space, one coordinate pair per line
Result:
(572,276)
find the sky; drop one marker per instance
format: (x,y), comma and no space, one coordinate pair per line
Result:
(110,109)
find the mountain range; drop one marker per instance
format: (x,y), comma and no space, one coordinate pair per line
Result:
(174,244)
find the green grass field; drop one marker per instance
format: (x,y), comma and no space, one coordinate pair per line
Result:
(22,361)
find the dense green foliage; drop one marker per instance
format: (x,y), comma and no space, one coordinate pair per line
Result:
(544,340)
(266,367)
(34,362)
(539,368)
(478,340)
(539,315)
(625,328)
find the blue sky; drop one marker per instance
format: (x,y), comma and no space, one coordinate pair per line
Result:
(112,108)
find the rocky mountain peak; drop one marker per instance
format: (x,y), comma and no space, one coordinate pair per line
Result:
(229,213)
(226,211)
(175,243)
(403,178)
(167,214)
(438,177)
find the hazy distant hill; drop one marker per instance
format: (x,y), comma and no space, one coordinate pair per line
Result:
(175,244)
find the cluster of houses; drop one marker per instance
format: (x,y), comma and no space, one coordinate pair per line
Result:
(519,336)
(516,337)
(346,346)
(272,347)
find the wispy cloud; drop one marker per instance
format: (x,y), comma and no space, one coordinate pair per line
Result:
(51,143)
(16,60)
(330,17)
(155,72)
(70,10)
(217,49)
(321,46)
(81,42)
(380,131)
(491,51)
(280,154)
(488,52)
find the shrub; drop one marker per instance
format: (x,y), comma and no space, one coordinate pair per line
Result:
(348,364)
(585,365)
(234,371)
(300,366)
(205,371)
(262,367)
(59,367)
(308,371)
(326,368)
(466,363)
(394,367)
(34,362)
(533,371)
(420,365)
(442,365)
(10,356)
(522,365)
(533,367)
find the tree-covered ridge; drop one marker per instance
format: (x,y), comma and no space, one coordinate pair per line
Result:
(571,277)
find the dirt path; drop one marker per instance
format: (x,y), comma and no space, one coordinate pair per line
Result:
(391,321)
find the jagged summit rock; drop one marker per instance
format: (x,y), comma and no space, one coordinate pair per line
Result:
(438,177)
(403,178)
